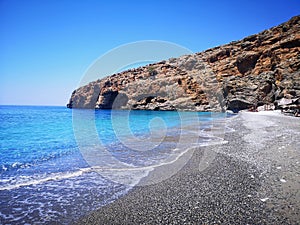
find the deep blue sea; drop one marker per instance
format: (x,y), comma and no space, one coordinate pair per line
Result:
(57,164)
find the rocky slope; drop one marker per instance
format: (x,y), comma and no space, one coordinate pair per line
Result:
(260,69)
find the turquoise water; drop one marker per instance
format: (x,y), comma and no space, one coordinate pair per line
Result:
(46,171)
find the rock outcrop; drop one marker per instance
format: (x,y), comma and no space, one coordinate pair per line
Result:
(260,69)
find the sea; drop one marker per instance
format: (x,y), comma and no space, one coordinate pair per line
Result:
(59,164)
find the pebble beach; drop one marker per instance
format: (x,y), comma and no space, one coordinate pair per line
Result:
(253,178)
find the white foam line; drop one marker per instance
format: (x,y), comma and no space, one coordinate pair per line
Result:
(57,176)
(159,165)
(146,169)
(60,176)
(149,168)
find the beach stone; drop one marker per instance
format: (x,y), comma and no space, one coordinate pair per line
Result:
(250,181)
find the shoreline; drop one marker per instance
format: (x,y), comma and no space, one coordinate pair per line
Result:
(253,179)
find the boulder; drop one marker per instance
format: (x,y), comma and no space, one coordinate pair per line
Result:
(247,61)
(238,104)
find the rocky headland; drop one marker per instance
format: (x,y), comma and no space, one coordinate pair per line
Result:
(261,69)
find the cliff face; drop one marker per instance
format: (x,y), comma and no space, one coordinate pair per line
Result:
(257,70)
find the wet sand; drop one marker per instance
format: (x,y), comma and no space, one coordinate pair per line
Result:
(252,179)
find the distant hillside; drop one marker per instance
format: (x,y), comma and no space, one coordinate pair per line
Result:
(258,70)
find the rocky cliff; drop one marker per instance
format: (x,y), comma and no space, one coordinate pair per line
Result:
(260,69)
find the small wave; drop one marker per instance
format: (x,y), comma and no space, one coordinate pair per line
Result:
(119,175)
(33,162)
(23,181)
(132,174)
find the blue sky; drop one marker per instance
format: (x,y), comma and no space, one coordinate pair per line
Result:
(46,46)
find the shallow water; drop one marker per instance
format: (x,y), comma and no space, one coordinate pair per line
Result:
(57,164)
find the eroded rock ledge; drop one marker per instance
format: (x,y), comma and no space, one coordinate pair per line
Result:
(260,69)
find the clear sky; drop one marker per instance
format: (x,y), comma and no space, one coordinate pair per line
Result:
(46,46)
